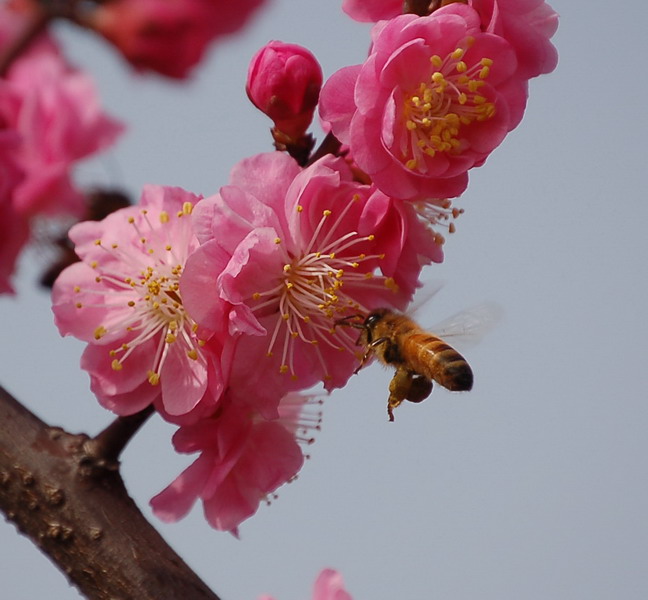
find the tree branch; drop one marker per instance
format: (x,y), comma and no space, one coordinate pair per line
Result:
(72,503)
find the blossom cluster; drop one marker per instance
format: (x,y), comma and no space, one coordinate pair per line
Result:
(50,118)
(221,311)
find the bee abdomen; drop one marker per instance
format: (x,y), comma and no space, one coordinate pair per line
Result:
(441,362)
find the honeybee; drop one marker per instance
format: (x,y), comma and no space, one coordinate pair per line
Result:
(419,357)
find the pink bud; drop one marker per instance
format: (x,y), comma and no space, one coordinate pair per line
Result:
(284,82)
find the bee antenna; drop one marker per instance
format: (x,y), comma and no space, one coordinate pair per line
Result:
(347,321)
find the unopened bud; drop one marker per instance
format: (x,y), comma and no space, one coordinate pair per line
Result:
(284,82)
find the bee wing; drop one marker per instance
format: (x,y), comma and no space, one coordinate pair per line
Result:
(467,327)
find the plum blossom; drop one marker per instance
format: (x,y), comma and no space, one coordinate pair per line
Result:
(49,119)
(434,98)
(527,25)
(284,82)
(285,253)
(55,113)
(168,37)
(243,459)
(123,299)
(328,586)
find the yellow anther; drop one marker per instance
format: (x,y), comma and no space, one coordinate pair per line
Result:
(436,61)
(153,378)
(100,332)
(326,212)
(173,325)
(287,268)
(131,220)
(410,125)
(79,305)
(300,208)
(438,77)
(116,365)
(164,217)
(411,164)
(94,264)
(283,369)
(187,207)
(285,316)
(461,67)
(277,240)
(168,247)
(256,296)
(390,284)
(192,354)
(77,289)
(170,338)
(458,53)
(97,243)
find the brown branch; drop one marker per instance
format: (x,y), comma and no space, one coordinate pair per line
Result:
(109,444)
(73,505)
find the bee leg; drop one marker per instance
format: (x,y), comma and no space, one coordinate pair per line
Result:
(399,387)
(369,352)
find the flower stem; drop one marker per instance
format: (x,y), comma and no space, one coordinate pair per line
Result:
(110,442)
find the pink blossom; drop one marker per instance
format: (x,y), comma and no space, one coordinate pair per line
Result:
(527,25)
(243,459)
(368,11)
(328,586)
(169,37)
(434,98)
(284,82)
(285,253)
(123,299)
(54,111)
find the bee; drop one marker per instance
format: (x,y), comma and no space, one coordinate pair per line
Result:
(419,357)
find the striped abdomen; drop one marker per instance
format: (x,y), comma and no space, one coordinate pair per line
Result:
(431,357)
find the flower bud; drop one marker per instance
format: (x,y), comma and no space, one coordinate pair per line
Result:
(284,82)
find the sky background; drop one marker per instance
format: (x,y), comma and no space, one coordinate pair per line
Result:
(532,486)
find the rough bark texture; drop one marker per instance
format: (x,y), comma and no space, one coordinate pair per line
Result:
(65,493)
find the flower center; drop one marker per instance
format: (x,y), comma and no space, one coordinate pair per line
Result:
(435,112)
(140,289)
(320,283)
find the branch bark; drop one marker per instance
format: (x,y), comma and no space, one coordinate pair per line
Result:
(64,492)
